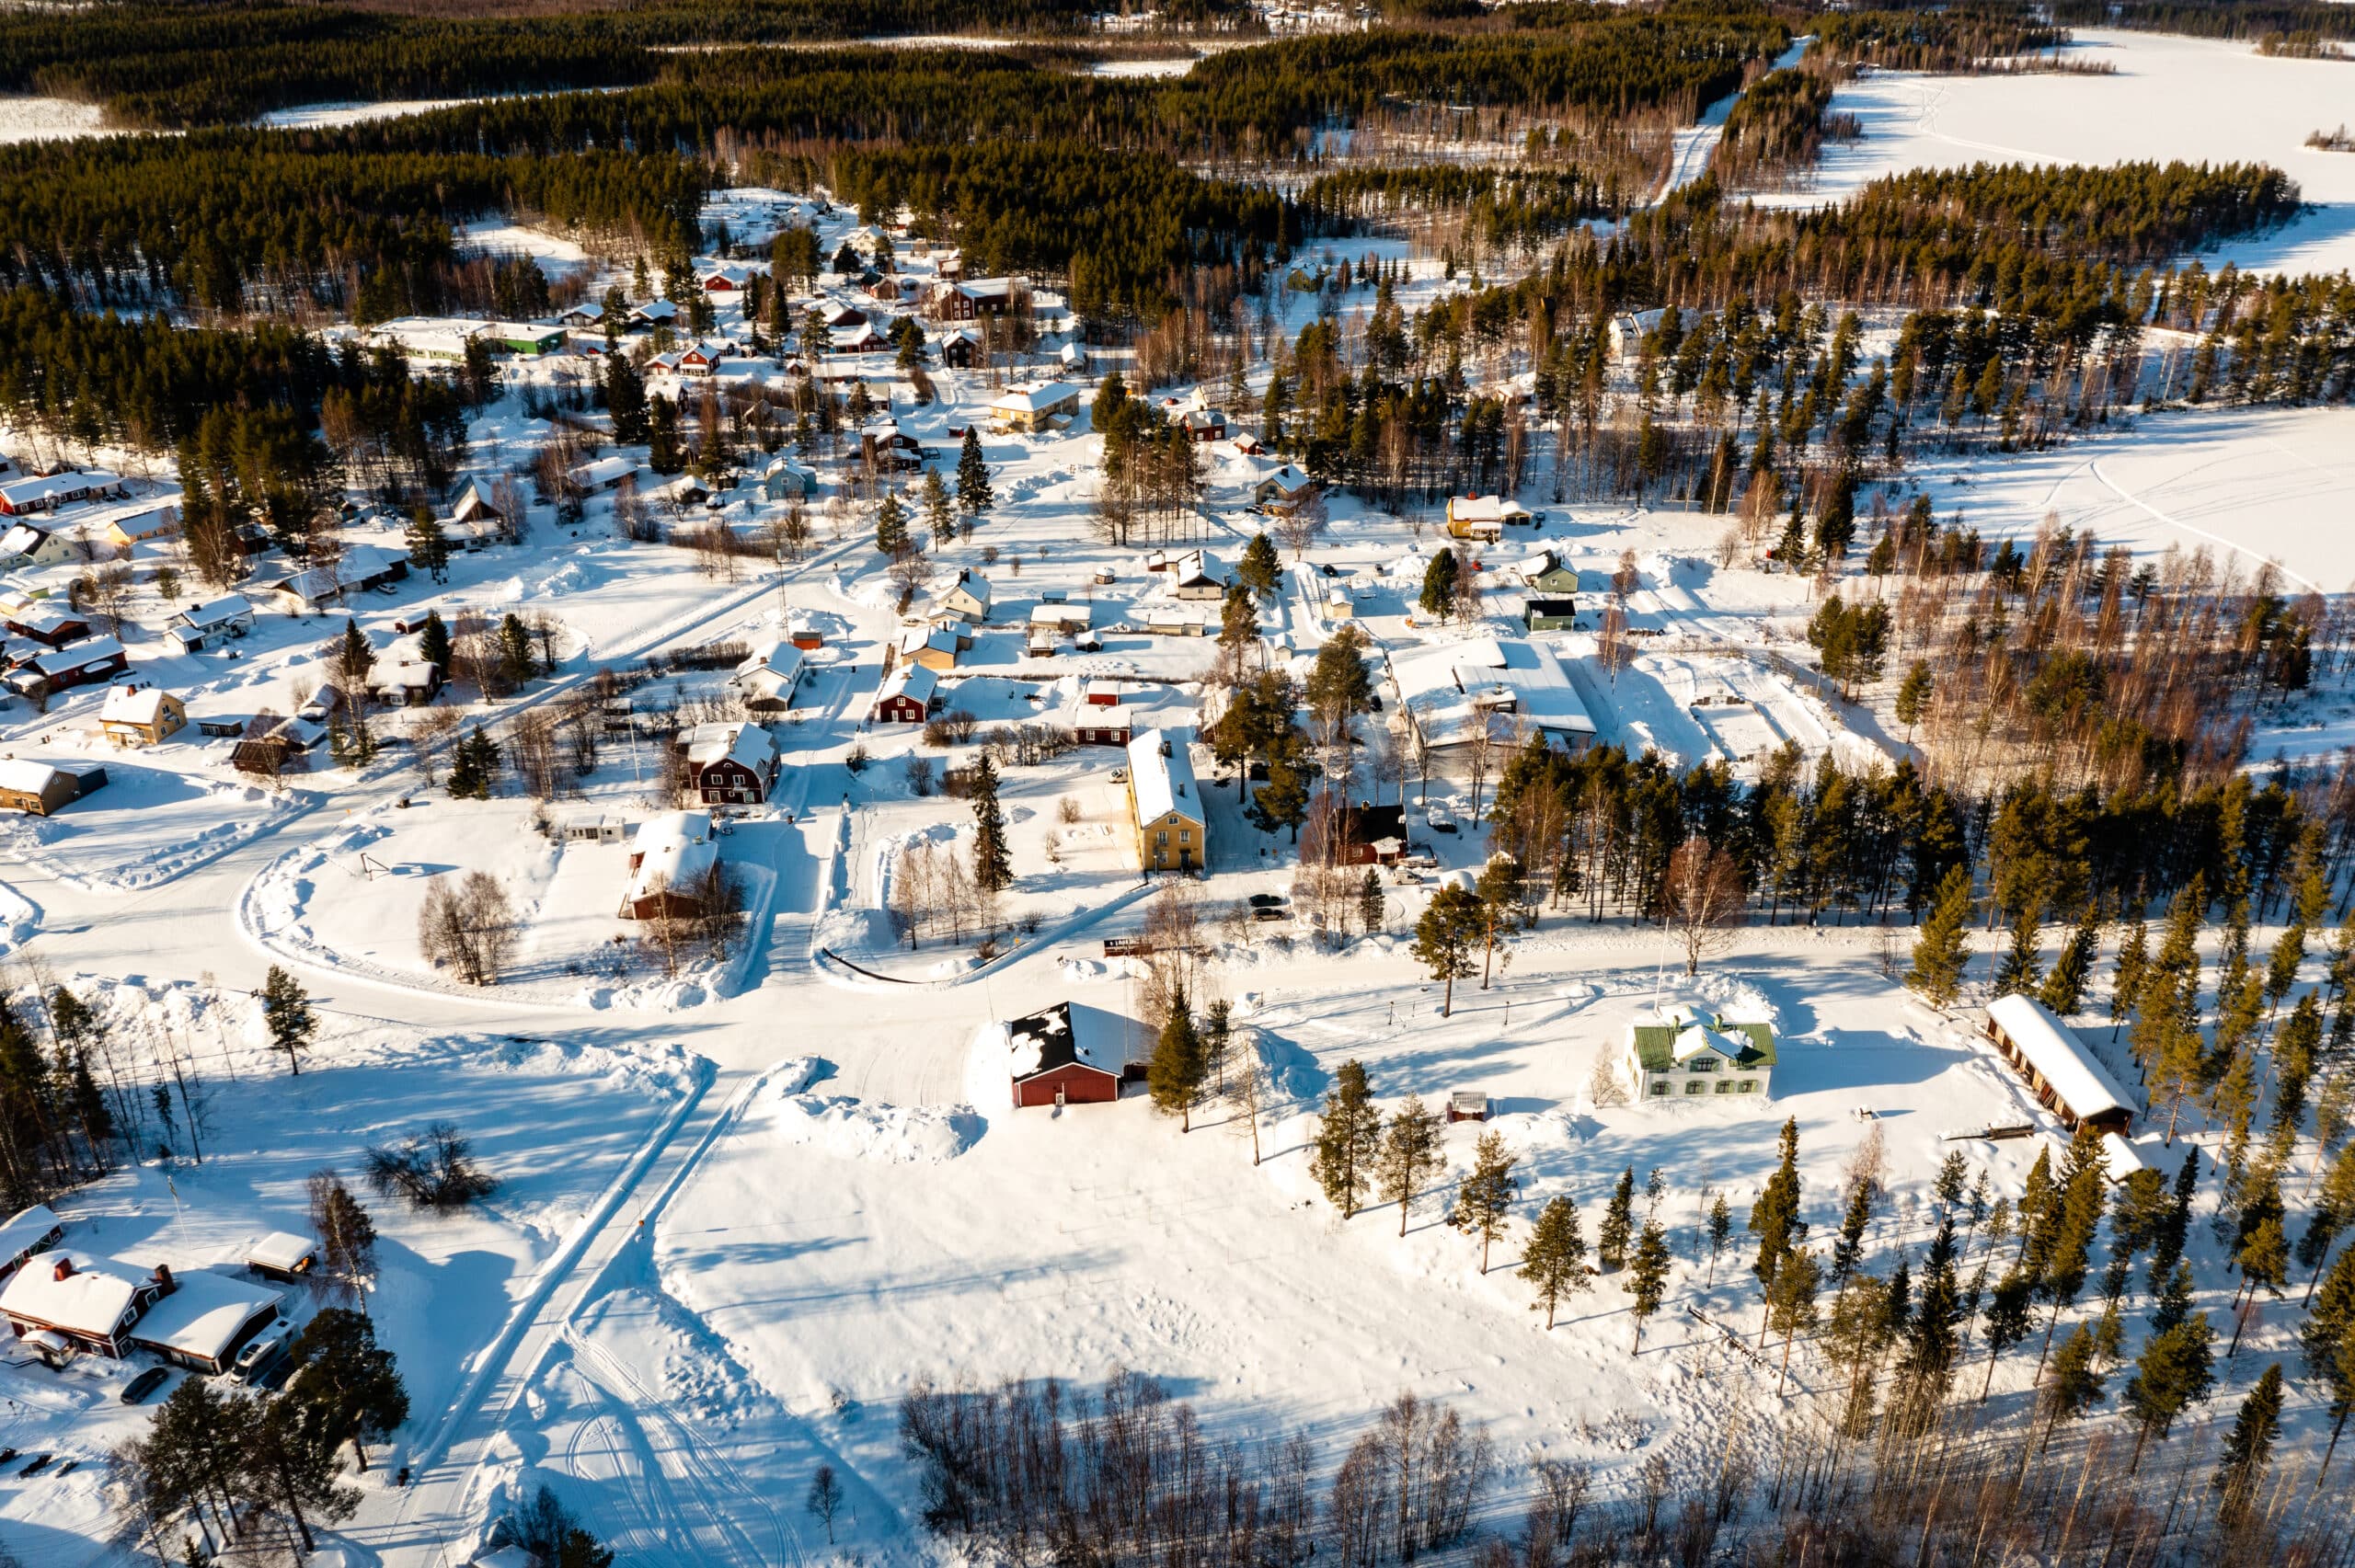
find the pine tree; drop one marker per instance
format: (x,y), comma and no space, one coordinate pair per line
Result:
(992,862)
(1411,1156)
(2173,1226)
(2248,1448)
(1446,937)
(1485,1197)
(2133,960)
(347,1384)
(2010,1319)
(1618,1224)
(2064,988)
(1175,1074)
(433,641)
(1720,1229)
(1848,1251)
(974,496)
(429,547)
(2175,1371)
(1371,903)
(1347,1140)
(1648,1277)
(2023,963)
(1775,1217)
(939,515)
(1913,697)
(1943,948)
(286,1013)
(1554,1260)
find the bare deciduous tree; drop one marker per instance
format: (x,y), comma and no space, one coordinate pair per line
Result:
(1703,898)
(470,926)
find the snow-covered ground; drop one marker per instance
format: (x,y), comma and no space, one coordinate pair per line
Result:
(2197,99)
(45,120)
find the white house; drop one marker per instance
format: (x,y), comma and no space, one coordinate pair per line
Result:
(1680,1051)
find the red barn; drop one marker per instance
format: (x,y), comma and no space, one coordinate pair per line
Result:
(1071,1054)
(907,696)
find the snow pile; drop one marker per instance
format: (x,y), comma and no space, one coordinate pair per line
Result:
(145,828)
(19,918)
(849,1129)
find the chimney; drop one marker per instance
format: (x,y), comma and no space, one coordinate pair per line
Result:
(64,1269)
(164,1276)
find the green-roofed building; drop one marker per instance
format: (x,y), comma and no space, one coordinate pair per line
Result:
(1681,1052)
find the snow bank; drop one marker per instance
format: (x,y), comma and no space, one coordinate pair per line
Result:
(850,1128)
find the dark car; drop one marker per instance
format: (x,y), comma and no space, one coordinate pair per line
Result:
(146,1383)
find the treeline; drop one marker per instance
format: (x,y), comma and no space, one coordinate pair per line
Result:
(1506,206)
(2212,18)
(177,65)
(1774,129)
(1958,39)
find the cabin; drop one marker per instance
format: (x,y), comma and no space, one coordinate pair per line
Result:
(1165,805)
(652,313)
(210,623)
(1113,726)
(34,494)
(28,1234)
(1203,425)
(907,695)
(1363,834)
(281,1255)
(725,280)
(765,681)
(583,318)
(82,664)
(670,861)
(137,713)
(935,649)
(1485,518)
(1197,576)
(729,765)
(967,600)
(1072,1053)
(1680,1051)
(404,682)
(1549,615)
(1626,331)
(2068,1079)
(1285,491)
(1029,410)
(1546,573)
(604,473)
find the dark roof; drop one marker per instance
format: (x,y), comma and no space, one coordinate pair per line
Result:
(1552,607)
(1069,1035)
(1354,825)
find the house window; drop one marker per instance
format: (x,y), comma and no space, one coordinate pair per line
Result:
(1702,1064)
(1660,1090)
(1725,1087)
(1749,1086)
(1185,835)
(1697,1087)
(1162,837)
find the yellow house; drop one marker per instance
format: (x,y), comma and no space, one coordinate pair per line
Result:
(1029,408)
(1164,804)
(141,715)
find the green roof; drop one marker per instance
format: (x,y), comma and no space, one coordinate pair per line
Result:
(1654,1043)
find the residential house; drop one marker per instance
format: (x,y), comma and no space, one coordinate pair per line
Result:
(671,860)
(204,1317)
(1626,331)
(1285,491)
(860,339)
(27,544)
(889,288)
(1164,807)
(970,299)
(1072,1053)
(1680,1051)
(933,647)
(605,473)
(34,494)
(313,589)
(474,504)
(138,713)
(1484,517)
(652,313)
(70,1302)
(961,349)
(1454,694)
(28,1234)
(767,679)
(908,694)
(968,599)
(1197,574)
(786,480)
(1029,410)
(1546,573)
(841,317)
(1363,834)
(134,524)
(404,682)
(584,318)
(2068,1079)
(210,623)
(726,280)
(51,625)
(730,764)
(1203,425)
(80,664)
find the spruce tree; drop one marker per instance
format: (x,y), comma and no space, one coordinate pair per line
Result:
(939,514)
(2327,1343)
(1847,1252)
(1348,1136)
(2064,988)
(2010,1319)
(1372,902)
(891,536)
(1411,1156)
(1260,569)
(2175,1371)
(2173,1226)
(517,659)
(1775,1217)
(2248,1448)
(2133,959)
(1790,1303)
(1719,1226)
(429,547)
(1554,1260)
(1173,1075)
(992,862)
(1485,1197)
(2023,963)
(1447,935)
(974,496)
(433,641)
(1913,697)
(2076,1386)
(663,453)
(1438,597)
(1618,1224)
(1943,948)
(286,1013)
(1648,1277)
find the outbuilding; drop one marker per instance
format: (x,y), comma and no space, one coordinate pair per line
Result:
(1072,1054)
(2068,1079)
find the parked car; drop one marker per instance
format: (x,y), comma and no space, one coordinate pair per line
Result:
(1441,819)
(257,1359)
(146,1383)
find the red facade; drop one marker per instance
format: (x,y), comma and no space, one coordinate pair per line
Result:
(1081,1085)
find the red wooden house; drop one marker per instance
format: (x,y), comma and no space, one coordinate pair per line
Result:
(1072,1054)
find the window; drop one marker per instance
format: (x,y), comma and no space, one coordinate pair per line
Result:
(1162,837)
(1185,835)
(1747,1086)
(1702,1064)
(1725,1085)
(1660,1089)
(1697,1087)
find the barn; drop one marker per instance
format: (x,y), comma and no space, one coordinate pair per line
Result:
(1072,1054)
(2067,1078)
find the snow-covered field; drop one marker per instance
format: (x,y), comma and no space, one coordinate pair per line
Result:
(2196,99)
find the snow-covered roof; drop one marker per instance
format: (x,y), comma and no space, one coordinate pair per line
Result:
(205,1313)
(280,1250)
(1046,613)
(27,1228)
(222,611)
(604,470)
(672,851)
(915,681)
(1065,1035)
(402,675)
(2061,1058)
(22,775)
(1287,479)
(41,489)
(132,705)
(1485,508)
(771,672)
(747,744)
(1161,772)
(21,540)
(81,655)
(1447,687)
(92,1299)
(1033,399)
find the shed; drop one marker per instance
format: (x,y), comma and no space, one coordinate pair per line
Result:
(280,1255)
(1071,1053)
(1549,614)
(2069,1080)
(203,1318)
(36,788)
